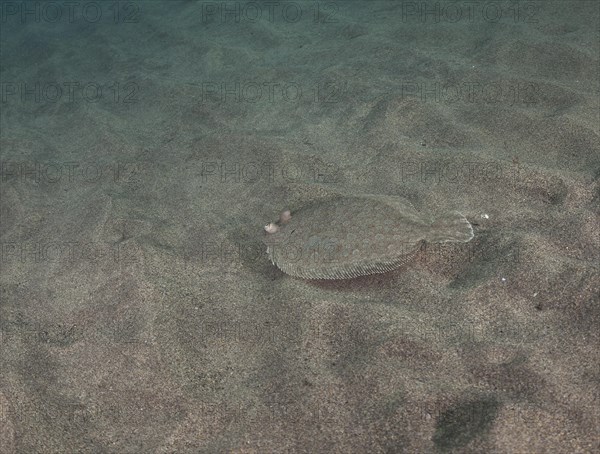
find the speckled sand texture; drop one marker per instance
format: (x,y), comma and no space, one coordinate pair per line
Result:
(139,311)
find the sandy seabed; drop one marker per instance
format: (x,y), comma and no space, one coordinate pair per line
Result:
(144,145)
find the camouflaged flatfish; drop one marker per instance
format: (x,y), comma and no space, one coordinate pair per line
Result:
(349,236)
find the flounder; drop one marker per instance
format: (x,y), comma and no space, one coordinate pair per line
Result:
(349,236)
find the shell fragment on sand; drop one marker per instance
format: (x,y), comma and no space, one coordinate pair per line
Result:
(350,236)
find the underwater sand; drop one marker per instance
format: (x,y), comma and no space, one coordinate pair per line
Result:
(139,311)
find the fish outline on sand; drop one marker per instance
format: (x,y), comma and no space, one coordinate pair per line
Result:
(344,237)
